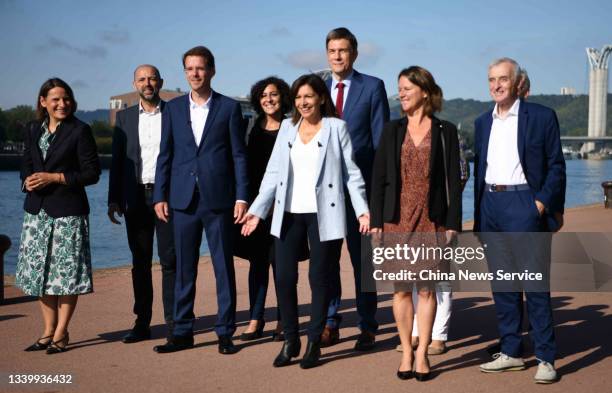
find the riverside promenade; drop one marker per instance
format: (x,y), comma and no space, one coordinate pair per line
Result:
(99,362)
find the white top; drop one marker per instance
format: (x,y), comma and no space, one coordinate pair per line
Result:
(301,193)
(503,163)
(198,114)
(149,135)
(334,89)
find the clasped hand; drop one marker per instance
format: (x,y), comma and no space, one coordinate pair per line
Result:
(40,180)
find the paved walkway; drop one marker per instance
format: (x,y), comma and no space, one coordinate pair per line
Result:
(99,362)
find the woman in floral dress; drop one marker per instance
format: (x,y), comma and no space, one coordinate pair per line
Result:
(59,160)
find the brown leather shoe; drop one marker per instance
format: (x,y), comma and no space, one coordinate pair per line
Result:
(329,337)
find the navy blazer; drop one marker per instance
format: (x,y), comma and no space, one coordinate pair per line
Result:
(72,152)
(217,166)
(366,110)
(539,147)
(126,165)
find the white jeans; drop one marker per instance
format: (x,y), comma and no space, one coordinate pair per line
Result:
(444,298)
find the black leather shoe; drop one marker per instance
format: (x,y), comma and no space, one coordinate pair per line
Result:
(137,334)
(311,356)
(258,333)
(40,346)
(177,343)
(289,350)
(366,341)
(226,346)
(422,377)
(403,375)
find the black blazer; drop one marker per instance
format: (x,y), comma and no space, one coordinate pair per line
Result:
(126,164)
(72,152)
(444,207)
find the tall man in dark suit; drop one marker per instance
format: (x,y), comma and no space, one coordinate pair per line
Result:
(519,185)
(202,177)
(136,142)
(361,101)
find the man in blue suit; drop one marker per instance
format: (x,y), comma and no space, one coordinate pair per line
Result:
(519,185)
(202,176)
(361,101)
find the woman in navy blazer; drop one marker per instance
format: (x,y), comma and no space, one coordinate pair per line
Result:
(310,165)
(59,160)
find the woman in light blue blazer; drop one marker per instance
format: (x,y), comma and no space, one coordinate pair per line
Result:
(310,166)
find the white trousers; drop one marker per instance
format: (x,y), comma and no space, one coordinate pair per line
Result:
(444,298)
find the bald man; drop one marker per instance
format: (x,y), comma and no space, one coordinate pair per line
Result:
(136,141)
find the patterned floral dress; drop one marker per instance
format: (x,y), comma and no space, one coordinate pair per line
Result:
(54,256)
(414,226)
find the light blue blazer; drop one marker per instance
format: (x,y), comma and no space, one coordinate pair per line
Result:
(335,169)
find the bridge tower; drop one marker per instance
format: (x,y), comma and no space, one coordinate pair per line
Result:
(598,93)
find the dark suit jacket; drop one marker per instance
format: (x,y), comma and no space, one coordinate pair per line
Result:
(366,110)
(126,165)
(219,163)
(73,152)
(539,147)
(444,204)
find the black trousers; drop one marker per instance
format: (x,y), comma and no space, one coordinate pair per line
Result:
(324,260)
(141,223)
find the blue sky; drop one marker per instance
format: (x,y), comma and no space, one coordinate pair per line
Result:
(95,45)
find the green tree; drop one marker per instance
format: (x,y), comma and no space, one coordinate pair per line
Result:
(101,129)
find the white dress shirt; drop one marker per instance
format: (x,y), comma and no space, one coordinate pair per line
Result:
(503,163)
(334,89)
(198,114)
(301,190)
(149,136)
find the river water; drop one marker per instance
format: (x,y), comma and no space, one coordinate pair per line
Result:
(109,242)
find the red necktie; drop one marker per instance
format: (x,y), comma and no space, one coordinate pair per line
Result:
(340,99)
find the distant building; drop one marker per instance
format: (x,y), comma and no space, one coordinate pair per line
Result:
(568,91)
(123,101)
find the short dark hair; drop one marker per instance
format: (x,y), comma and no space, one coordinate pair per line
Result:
(318,85)
(201,51)
(423,79)
(41,112)
(258,88)
(342,33)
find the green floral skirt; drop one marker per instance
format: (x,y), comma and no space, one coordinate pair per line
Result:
(54,256)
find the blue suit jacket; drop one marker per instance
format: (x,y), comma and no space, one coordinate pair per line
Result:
(539,147)
(366,110)
(335,169)
(217,166)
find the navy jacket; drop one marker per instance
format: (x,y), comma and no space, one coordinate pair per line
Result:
(126,163)
(72,152)
(366,110)
(539,147)
(217,166)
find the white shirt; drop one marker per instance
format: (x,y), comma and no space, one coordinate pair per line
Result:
(198,114)
(301,190)
(149,135)
(503,163)
(334,89)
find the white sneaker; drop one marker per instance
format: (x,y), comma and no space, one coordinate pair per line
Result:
(546,373)
(502,363)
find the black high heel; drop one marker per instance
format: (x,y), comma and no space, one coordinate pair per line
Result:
(55,348)
(422,377)
(311,356)
(38,346)
(403,375)
(258,333)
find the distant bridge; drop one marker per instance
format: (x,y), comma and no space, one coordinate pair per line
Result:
(584,139)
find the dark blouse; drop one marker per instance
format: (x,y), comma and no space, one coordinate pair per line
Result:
(259,149)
